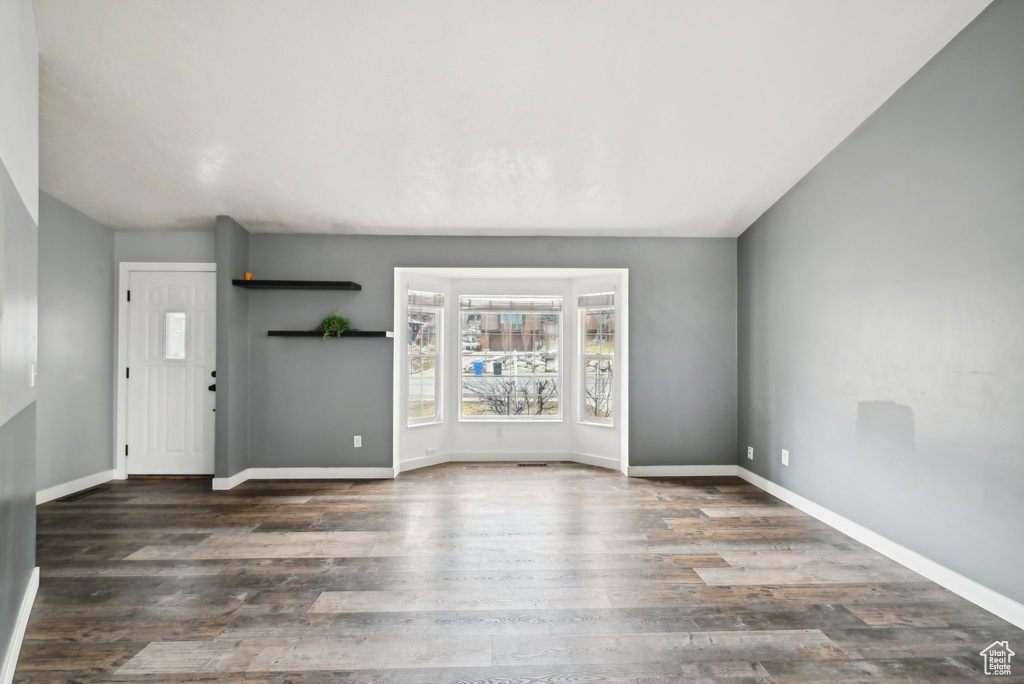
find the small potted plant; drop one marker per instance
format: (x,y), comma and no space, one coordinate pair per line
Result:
(334,324)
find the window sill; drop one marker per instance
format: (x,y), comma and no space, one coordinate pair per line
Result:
(439,421)
(559,419)
(593,424)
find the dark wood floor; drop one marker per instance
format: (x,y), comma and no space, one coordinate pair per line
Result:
(480,573)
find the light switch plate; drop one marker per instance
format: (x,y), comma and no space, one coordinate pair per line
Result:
(357,441)
(785,457)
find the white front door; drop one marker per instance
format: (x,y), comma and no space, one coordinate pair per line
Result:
(172,350)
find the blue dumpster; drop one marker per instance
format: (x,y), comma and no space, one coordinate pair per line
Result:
(478,368)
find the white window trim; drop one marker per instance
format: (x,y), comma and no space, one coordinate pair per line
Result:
(558,376)
(402,457)
(583,418)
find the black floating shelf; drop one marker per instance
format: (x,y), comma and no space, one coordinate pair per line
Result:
(297,284)
(314,333)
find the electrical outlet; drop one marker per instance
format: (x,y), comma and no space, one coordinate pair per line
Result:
(357,441)
(785,457)
(431,451)
(750,453)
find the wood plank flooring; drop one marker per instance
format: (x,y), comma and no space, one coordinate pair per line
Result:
(480,573)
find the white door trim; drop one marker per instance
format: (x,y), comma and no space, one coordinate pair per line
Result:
(120,382)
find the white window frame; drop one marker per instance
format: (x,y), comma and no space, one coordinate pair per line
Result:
(438,357)
(460,370)
(584,358)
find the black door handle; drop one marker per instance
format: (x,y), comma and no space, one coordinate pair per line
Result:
(213,387)
(213,374)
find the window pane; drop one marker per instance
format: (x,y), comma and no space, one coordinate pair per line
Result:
(498,335)
(415,388)
(598,388)
(429,408)
(476,394)
(422,388)
(510,321)
(422,329)
(174,336)
(428,386)
(598,348)
(503,353)
(546,396)
(428,332)
(428,341)
(607,332)
(423,344)
(599,331)
(549,407)
(592,333)
(470,333)
(415,408)
(509,396)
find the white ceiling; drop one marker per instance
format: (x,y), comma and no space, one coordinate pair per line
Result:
(528,117)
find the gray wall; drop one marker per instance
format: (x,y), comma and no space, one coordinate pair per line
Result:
(308,397)
(17,516)
(882,316)
(164,245)
(18,306)
(19,250)
(77,322)
(232,441)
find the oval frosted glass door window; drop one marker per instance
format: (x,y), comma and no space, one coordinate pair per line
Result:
(174,335)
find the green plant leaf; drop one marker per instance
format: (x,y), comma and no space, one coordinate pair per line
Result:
(333,324)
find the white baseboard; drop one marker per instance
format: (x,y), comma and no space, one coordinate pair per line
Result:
(340,473)
(992,601)
(598,461)
(422,462)
(535,456)
(510,457)
(57,491)
(14,648)
(225,483)
(682,471)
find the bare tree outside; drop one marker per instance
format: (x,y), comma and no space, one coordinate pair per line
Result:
(598,351)
(512,397)
(599,391)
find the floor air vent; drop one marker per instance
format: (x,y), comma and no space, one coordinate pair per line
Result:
(532,465)
(82,494)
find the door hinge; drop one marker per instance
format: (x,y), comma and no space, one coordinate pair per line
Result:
(127,373)
(126,450)
(129,295)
